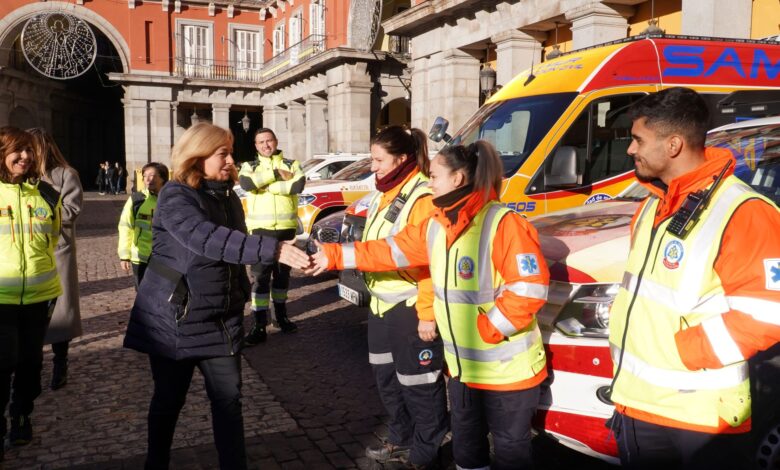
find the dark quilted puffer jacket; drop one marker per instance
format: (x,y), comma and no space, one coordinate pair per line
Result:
(201,236)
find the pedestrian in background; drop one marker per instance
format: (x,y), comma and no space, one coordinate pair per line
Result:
(29,229)
(404,350)
(65,323)
(272,183)
(121,178)
(135,223)
(698,298)
(490,280)
(190,305)
(111,178)
(101,179)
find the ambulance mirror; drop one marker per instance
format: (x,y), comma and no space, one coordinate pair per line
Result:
(439,130)
(562,170)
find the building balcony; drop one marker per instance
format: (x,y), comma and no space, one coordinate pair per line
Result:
(208,69)
(293,55)
(399,46)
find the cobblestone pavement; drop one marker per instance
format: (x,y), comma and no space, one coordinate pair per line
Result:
(309,398)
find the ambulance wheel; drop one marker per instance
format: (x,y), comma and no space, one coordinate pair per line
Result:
(768,455)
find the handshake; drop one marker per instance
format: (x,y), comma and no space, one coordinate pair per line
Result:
(293,256)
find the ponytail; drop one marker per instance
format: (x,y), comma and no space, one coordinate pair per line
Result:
(480,162)
(397,141)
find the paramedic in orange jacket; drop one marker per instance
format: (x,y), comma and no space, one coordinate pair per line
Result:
(693,307)
(407,366)
(489,279)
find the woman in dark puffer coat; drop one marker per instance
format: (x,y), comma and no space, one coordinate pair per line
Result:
(189,308)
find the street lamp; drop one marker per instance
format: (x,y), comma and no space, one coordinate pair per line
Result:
(245,122)
(556,49)
(487,79)
(194,118)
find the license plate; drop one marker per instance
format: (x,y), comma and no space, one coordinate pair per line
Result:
(348,294)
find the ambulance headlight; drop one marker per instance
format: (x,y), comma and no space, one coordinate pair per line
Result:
(587,313)
(306,199)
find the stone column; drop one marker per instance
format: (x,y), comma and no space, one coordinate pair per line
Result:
(296,131)
(161,125)
(349,107)
(719,18)
(178,121)
(137,149)
(595,23)
(419,94)
(220,115)
(316,125)
(515,52)
(275,118)
(453,81)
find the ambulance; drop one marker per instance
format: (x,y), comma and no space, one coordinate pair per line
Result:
(562,129)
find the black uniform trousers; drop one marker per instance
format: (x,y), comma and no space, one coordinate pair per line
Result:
(223,386)
(644,445)
(410,382)
(504,414)
(22,330)
(274,277)
(138,273)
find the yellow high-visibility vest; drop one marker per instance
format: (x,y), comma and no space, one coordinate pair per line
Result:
(392,287)
(135,229)
(670,284)
(29,230)
(274,205)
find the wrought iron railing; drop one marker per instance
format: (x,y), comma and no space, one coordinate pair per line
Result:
(293,55)
(195,67)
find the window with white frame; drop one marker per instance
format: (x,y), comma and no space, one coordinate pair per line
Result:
(278,39)
(248,49)
(316,20)
(296,28)
(196,44)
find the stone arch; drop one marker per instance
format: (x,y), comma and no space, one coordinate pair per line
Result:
(11,24)
(394,112)
(22,118)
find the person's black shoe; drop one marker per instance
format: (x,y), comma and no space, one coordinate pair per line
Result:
(21,430)
(256,336)
(286,325)
(387,451)
(59,375)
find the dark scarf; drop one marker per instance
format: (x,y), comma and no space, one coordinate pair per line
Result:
(392,179)
(448,201)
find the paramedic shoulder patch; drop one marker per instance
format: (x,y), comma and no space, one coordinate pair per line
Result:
(772,273)
(527,264)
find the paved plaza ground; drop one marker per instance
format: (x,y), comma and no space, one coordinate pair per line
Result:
(309,398)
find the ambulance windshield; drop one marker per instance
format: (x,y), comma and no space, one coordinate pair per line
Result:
(515,126)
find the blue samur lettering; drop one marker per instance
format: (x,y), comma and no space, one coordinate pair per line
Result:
(688,61)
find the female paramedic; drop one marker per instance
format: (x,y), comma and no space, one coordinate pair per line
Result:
(489,280)
(190,305)
(407,365)
(29,229)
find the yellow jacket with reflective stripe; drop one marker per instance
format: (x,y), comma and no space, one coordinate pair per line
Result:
(670,284)
(135,230)
(392,287)
(466,285)
(29,230)
(274,205)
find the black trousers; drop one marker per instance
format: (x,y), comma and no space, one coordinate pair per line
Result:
(223,386)
(22,330)
(644,445)
(138,273)
(410,382)
(506,415)
(270,280)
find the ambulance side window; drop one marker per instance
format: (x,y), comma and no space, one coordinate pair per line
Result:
(599,138)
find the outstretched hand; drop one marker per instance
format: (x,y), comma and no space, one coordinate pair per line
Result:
(319,261)
(427,330)
(288,254)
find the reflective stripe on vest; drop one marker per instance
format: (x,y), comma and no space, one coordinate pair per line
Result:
(36,228)
(679,289)
(29,281)
(465,283)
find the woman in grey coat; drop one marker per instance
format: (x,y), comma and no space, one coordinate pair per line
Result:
(65,323)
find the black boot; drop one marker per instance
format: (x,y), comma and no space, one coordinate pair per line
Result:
(280,310)
(59,375)
(21,430)
(258,334)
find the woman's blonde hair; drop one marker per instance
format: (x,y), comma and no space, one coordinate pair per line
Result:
(48,154)
(197,144)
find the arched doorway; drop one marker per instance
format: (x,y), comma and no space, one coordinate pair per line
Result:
(396,112)
(84,114)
